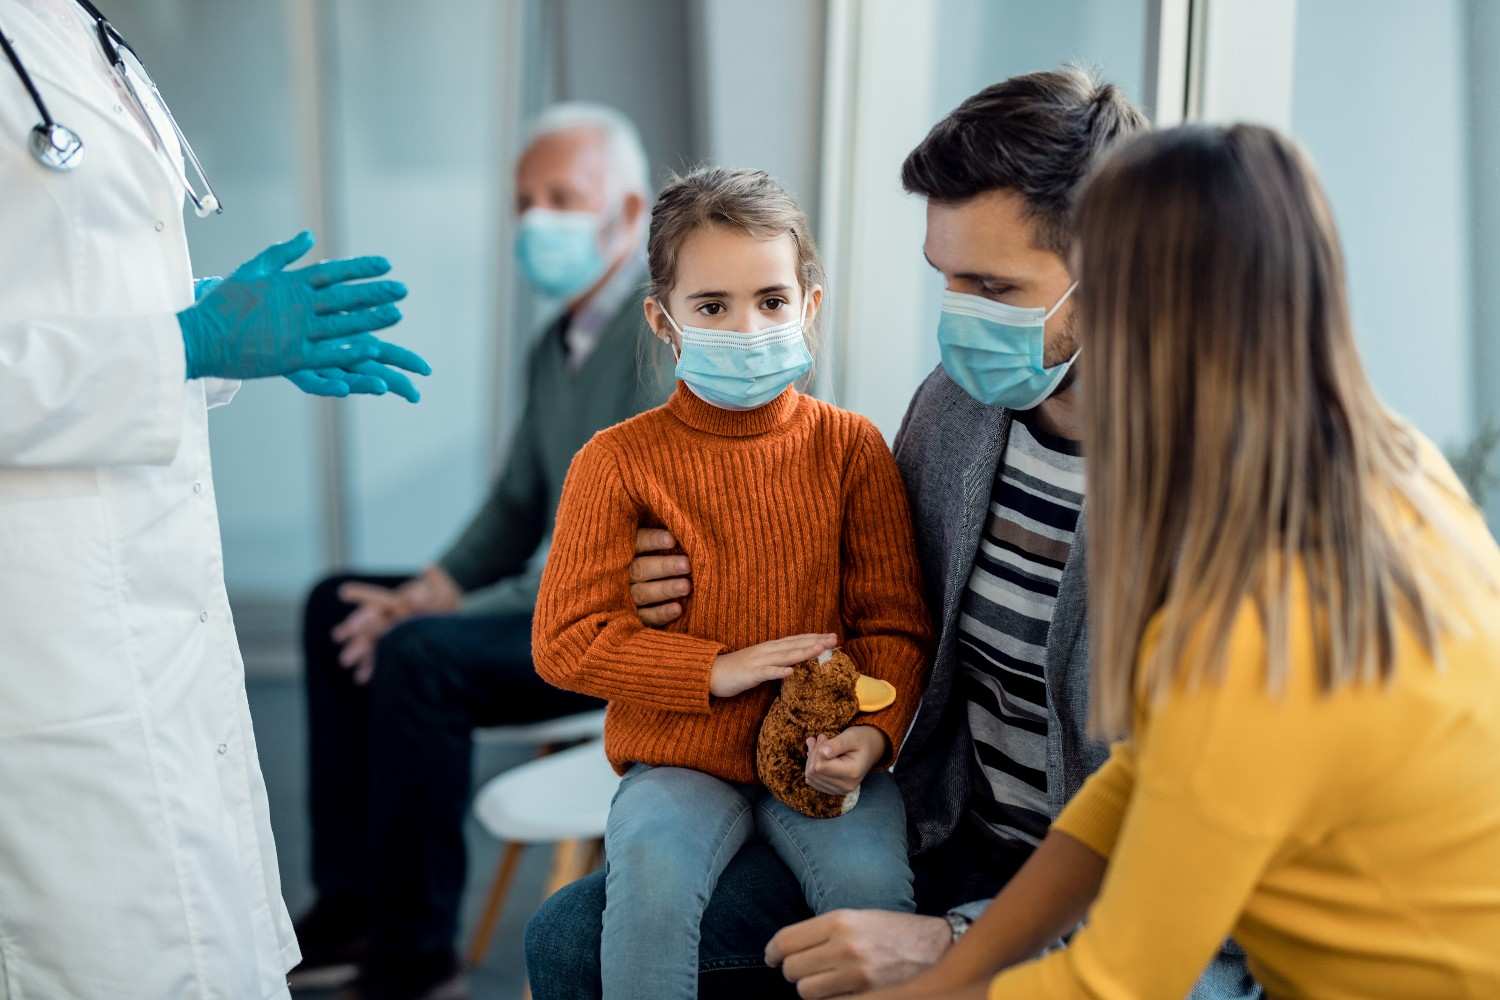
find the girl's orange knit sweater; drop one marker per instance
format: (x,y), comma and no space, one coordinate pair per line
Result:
(794,519)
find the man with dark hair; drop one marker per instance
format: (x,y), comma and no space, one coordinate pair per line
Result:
(994,469)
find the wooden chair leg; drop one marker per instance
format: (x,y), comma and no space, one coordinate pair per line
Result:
(586,859)
(479,944)
(571,860)
(564,863)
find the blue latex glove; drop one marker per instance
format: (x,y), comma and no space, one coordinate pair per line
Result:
(369,378)
(202,286)
(265,320)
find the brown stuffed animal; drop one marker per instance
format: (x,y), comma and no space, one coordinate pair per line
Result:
(821,697)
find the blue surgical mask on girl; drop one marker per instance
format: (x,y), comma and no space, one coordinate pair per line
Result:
(741,371)
(994,351)
(559,251)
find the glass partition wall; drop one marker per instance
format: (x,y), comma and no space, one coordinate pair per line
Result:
(386,127)
(1399,106)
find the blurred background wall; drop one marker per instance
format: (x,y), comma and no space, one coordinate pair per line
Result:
(391,127)
(1381,100)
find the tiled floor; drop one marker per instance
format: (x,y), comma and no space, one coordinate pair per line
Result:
(280,719)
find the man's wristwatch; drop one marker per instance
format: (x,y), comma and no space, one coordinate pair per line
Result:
(958,924)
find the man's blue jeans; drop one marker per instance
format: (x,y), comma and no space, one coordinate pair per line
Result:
(673,830)
(756,896)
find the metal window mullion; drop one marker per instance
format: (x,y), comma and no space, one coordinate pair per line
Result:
(313,43)
(516,18)
(840,82)
(1169,61)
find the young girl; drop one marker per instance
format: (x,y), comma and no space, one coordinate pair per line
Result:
(795,519)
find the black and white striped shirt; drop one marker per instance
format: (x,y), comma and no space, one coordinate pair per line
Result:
(1003,625)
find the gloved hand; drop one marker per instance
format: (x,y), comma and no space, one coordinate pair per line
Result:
(202,286)
(264,320)
(368,377)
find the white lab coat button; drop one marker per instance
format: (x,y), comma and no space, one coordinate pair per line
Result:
(223,749)
(160,225)
(119,109)
(203,616)
(197,487)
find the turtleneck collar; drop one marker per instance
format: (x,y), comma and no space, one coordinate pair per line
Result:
(710,419)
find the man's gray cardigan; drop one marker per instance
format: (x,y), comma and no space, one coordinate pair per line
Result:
(949,448)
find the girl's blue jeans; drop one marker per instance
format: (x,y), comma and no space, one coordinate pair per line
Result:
(673,830)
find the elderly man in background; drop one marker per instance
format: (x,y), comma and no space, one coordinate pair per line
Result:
(400,670)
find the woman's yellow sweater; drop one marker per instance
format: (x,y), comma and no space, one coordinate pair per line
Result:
(1350,842)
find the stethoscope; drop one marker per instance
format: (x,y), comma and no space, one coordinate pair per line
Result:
(58,147)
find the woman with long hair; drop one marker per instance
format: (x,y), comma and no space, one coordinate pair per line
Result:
(1296,625)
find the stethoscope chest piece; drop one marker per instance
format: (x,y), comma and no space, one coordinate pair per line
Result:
(56,147)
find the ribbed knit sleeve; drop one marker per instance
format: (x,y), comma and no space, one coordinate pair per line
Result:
(586,635)
(888,632)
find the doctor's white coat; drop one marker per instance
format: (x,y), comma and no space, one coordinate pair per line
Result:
(136,858)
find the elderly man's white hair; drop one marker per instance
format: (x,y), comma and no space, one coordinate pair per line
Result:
(629,171)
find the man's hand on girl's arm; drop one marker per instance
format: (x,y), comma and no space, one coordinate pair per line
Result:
(658,583)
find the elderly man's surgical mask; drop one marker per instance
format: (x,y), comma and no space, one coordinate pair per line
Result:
(559,252)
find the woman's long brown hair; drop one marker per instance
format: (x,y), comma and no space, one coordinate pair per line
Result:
(1233,438)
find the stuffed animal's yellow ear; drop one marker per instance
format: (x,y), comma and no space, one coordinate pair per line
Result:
(874,694)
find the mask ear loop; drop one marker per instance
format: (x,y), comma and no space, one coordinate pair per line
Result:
(1066,295)
(811,376)
(676,351)
(609,224)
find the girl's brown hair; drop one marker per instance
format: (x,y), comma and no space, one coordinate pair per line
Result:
(746,200)
(1234,440)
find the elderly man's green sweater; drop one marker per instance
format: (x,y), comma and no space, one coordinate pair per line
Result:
(628,371)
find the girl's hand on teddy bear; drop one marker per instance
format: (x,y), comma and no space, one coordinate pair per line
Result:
(836,765)
(738,672)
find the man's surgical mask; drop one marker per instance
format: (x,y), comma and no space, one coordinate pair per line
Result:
(559,251)
(994,351)
(741,371)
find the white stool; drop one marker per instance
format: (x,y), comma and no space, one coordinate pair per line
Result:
(560,799)
(568,729)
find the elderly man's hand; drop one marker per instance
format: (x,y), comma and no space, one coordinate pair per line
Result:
(658,584)
(379,609)
(851,951)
